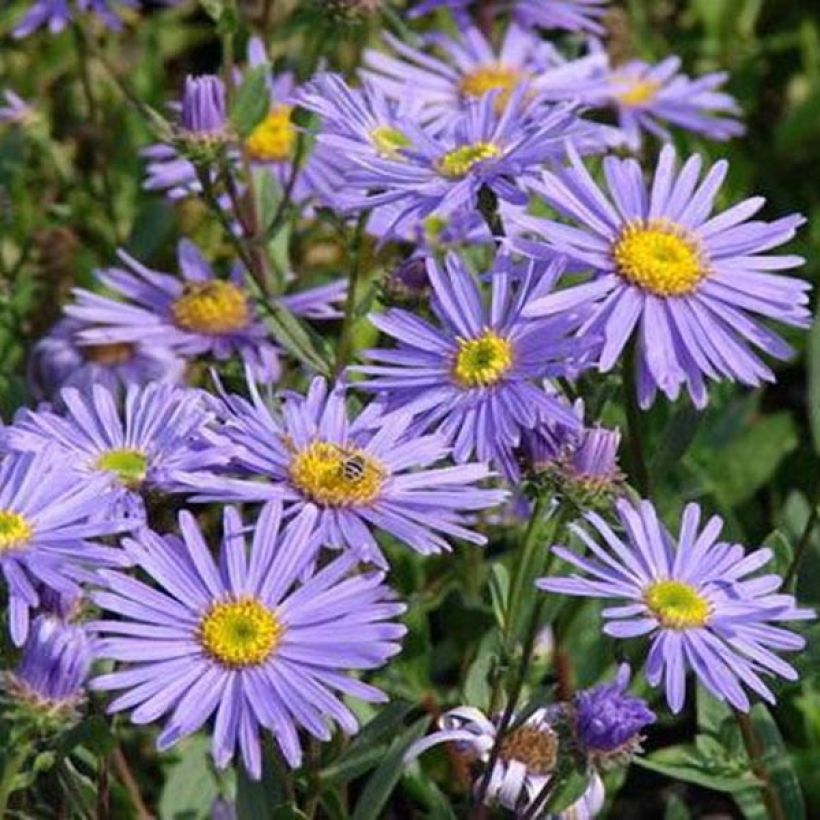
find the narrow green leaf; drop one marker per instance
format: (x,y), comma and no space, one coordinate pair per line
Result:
(678,434)
(694,774)
(190,786)
(251,103)
(813,377)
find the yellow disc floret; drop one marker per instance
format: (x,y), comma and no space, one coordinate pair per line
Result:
(336,476)
(240,633)
(131,466)
(274,139)
(458,162)
(638,93)
(14,530)
(495,77)
(677,605)
(214,307)
(659,257)
(389,141)
(483,361)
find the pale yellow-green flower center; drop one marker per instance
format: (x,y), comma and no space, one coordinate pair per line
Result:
(240,633)
(483,361)
(215,307)
(494,77)
(659,257)
(458,162)
(389,141)
(677,605)
(336,476)
(130,466)
(14,530)
(274,139)
(638,93)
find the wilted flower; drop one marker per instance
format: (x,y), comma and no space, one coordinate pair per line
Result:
(242,639)
(695,599)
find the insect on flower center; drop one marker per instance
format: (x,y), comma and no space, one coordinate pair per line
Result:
(536,748)
(215,307)
(460,161)
(130,466)
(240,633)
(483,361)
(638,93)
(495,77)
(389,141)
(109,355)
(677,605)
(659,257)
(273,140)
(14,530)
(336,476)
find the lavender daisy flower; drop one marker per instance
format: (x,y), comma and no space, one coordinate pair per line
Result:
(527,758)
(57,14)
(609,722)
(686,283)
(60,359)
(16,110)
(51,675)
(365,475)
(241,639)
(569,15)
(195,315)
(646,96)
(44,527)
(204,113)
(474,377)
(159,434)
(693,598)
(472,67)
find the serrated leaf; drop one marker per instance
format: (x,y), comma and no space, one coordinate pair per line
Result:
(252,101)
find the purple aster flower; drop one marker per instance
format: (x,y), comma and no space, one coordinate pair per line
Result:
(44,527)
(195,315)
(471,67)
(609,722)
(569,15)
(53,670)
(159,434)
(60,359)
(444,173)
(240,639)
(527,758)
(474,377)
(422,7)
(693,598)
(16,110)
(646,96)
(204,107)
(363,475)
(685,282)
(57,14)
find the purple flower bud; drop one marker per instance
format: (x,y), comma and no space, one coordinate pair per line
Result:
(203,106)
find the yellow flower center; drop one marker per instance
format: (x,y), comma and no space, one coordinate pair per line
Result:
(130,466)
(638,93)
(659,257)
(214,307)
(335,476)
(14,530)
(536,748)
(240,633)
(483,361)
(273,140)
(491,78)
(677,605)
(389,141)
(458,162)
(109,354)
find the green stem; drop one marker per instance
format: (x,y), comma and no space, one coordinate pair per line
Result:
(805,539)
(635,425)
(12,768)
(754,748)
(344,349)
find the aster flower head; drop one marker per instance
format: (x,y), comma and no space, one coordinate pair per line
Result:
(204,107)
(364,475)
(685,282)
(45,527)
(569,15)
(474,377)
(527,758)
(51,675)
(61,359)
(470,67)
(240,638)
(156,435)
(694,599)
(609,722)
(650,97)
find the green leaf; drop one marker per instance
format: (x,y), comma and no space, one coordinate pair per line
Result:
(570,791)
(382,782)
(781,547)
(93,733)
(190,785)
(289,332)
(677,435)
(260,799)
(251,103)
(693,773)
(813,377)
(676,809)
